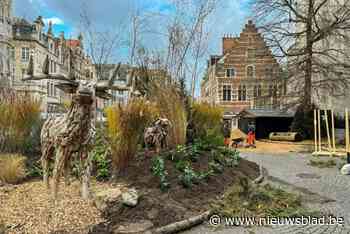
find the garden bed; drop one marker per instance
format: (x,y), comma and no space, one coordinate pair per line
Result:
(177,202)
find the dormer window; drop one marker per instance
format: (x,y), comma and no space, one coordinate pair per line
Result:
(230,72)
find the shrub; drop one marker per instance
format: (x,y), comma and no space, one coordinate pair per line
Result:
(35,169)
(232,157)
(189,177)
(206,123)
(158,169)
(126,125)
(12,168)
(19,122)
(101,156)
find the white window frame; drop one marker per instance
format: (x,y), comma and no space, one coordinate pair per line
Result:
(225,97)
(25,54)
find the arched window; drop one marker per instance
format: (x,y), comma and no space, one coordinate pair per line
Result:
(250,71)
(242,93)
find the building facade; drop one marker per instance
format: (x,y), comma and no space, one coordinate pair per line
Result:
(5,42)
(30,40)
(245,76)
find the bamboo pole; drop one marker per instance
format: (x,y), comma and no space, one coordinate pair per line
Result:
(346,130)
(333,131)
(327,128)
(315,127)
(319,130)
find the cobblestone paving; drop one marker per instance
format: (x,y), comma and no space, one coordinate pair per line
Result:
(290,167)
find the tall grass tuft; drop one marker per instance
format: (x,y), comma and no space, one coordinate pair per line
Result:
(19,121)
(126,125)
(171,106)
(12,168)
(207,122)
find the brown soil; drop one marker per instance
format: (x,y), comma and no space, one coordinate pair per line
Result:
(28,207)
(177,203)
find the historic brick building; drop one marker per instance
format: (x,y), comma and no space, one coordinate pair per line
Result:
(245,76)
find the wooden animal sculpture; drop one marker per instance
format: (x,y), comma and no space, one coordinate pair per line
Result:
(156,135)
(72,134)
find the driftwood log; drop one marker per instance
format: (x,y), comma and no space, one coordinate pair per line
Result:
(184,224)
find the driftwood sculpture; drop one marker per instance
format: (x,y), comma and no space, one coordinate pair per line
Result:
(156,135)
(71,135)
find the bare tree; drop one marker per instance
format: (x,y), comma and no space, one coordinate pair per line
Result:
(310,36)
(102,45)
(186,34)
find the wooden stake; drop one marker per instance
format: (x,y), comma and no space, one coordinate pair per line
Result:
(319,129)
(327,128)
(315,127)
(346,130)
(333,131)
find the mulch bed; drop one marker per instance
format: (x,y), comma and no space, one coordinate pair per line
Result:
(177,203)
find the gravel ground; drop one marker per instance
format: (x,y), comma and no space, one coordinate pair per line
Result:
(292,168)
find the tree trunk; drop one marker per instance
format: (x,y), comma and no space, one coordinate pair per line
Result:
(308,63)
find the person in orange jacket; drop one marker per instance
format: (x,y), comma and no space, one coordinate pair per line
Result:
(251,136)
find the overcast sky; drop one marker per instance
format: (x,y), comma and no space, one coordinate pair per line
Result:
(229,17)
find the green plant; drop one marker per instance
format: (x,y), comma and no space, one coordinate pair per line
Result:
(158,169)
(180,165)
(232,157)
(35,170)
(194,153)
(205,175)
(189,177)
(102,163)
(101,156)
(216,167)
(202,145)
(12,168)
